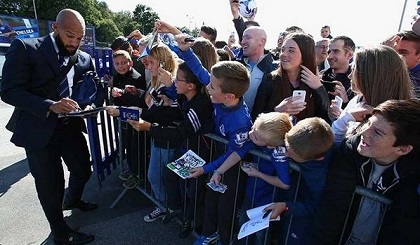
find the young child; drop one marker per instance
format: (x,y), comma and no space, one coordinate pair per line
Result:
(307,145)
(197,111)
(127,76)
(162,65)
(267,134)
(229,81)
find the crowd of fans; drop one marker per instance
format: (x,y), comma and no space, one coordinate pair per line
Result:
(359,105)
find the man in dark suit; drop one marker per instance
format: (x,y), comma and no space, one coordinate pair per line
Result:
(30,84)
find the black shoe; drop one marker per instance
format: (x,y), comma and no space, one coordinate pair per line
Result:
(82,205)
(73,238)
(171,214)
(186,229)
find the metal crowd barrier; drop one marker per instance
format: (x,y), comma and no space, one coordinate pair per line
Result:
(105,137)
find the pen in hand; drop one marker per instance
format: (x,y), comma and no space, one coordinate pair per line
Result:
(266,213)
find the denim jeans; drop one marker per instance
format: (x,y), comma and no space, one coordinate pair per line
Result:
(159,157)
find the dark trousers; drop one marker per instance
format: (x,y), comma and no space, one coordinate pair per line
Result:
(184,193)
(46,168)
(220,209)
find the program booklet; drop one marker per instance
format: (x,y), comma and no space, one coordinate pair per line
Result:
(182,165)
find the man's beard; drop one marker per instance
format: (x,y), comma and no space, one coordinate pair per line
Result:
(61,48)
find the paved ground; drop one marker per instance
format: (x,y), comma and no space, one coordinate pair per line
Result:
(23,222)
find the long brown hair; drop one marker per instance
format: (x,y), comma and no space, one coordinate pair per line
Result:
(306,46)
(380,75)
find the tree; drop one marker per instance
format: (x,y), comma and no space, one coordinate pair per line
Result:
(107,31)
(23,8)
(125,23)
(145,17)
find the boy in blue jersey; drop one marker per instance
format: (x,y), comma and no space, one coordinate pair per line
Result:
(267,134)
(228,83)
(307,145)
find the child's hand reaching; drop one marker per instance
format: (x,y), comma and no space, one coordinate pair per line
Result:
(278,208)
(131,89)
(117,92)
(112,111)
(251,171)
(180,39)
(196,172)
(216,178)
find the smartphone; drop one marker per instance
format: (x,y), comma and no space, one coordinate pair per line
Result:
(189,40)
(128,113)
(329,86)
(162,64)
(339,101)
(154,94)
(301,93)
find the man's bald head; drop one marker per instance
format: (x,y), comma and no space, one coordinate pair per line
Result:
(69,30)
(257,31)
(72,17)
(253,42)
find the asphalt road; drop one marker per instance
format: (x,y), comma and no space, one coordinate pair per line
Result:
(22,220)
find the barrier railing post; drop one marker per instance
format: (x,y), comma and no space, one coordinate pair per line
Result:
(92,128)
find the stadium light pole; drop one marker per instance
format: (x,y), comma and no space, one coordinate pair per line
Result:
(402,15)
(33,2)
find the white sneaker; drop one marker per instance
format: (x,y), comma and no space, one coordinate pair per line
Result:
(156,214)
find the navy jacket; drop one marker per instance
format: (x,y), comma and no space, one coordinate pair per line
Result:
(29,84)
(401,224)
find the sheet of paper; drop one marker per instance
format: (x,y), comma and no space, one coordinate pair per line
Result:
(257,221)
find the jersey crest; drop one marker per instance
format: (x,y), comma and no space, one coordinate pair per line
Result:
(241,138)
(279,154)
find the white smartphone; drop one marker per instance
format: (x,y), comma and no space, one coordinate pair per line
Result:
(338,101)
(301,94)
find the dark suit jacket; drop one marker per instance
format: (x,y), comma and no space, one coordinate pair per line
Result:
(29,84)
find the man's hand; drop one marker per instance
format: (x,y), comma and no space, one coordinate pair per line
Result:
(64,105)
(196,172)
(234,8)
(277,208)
(340,90)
